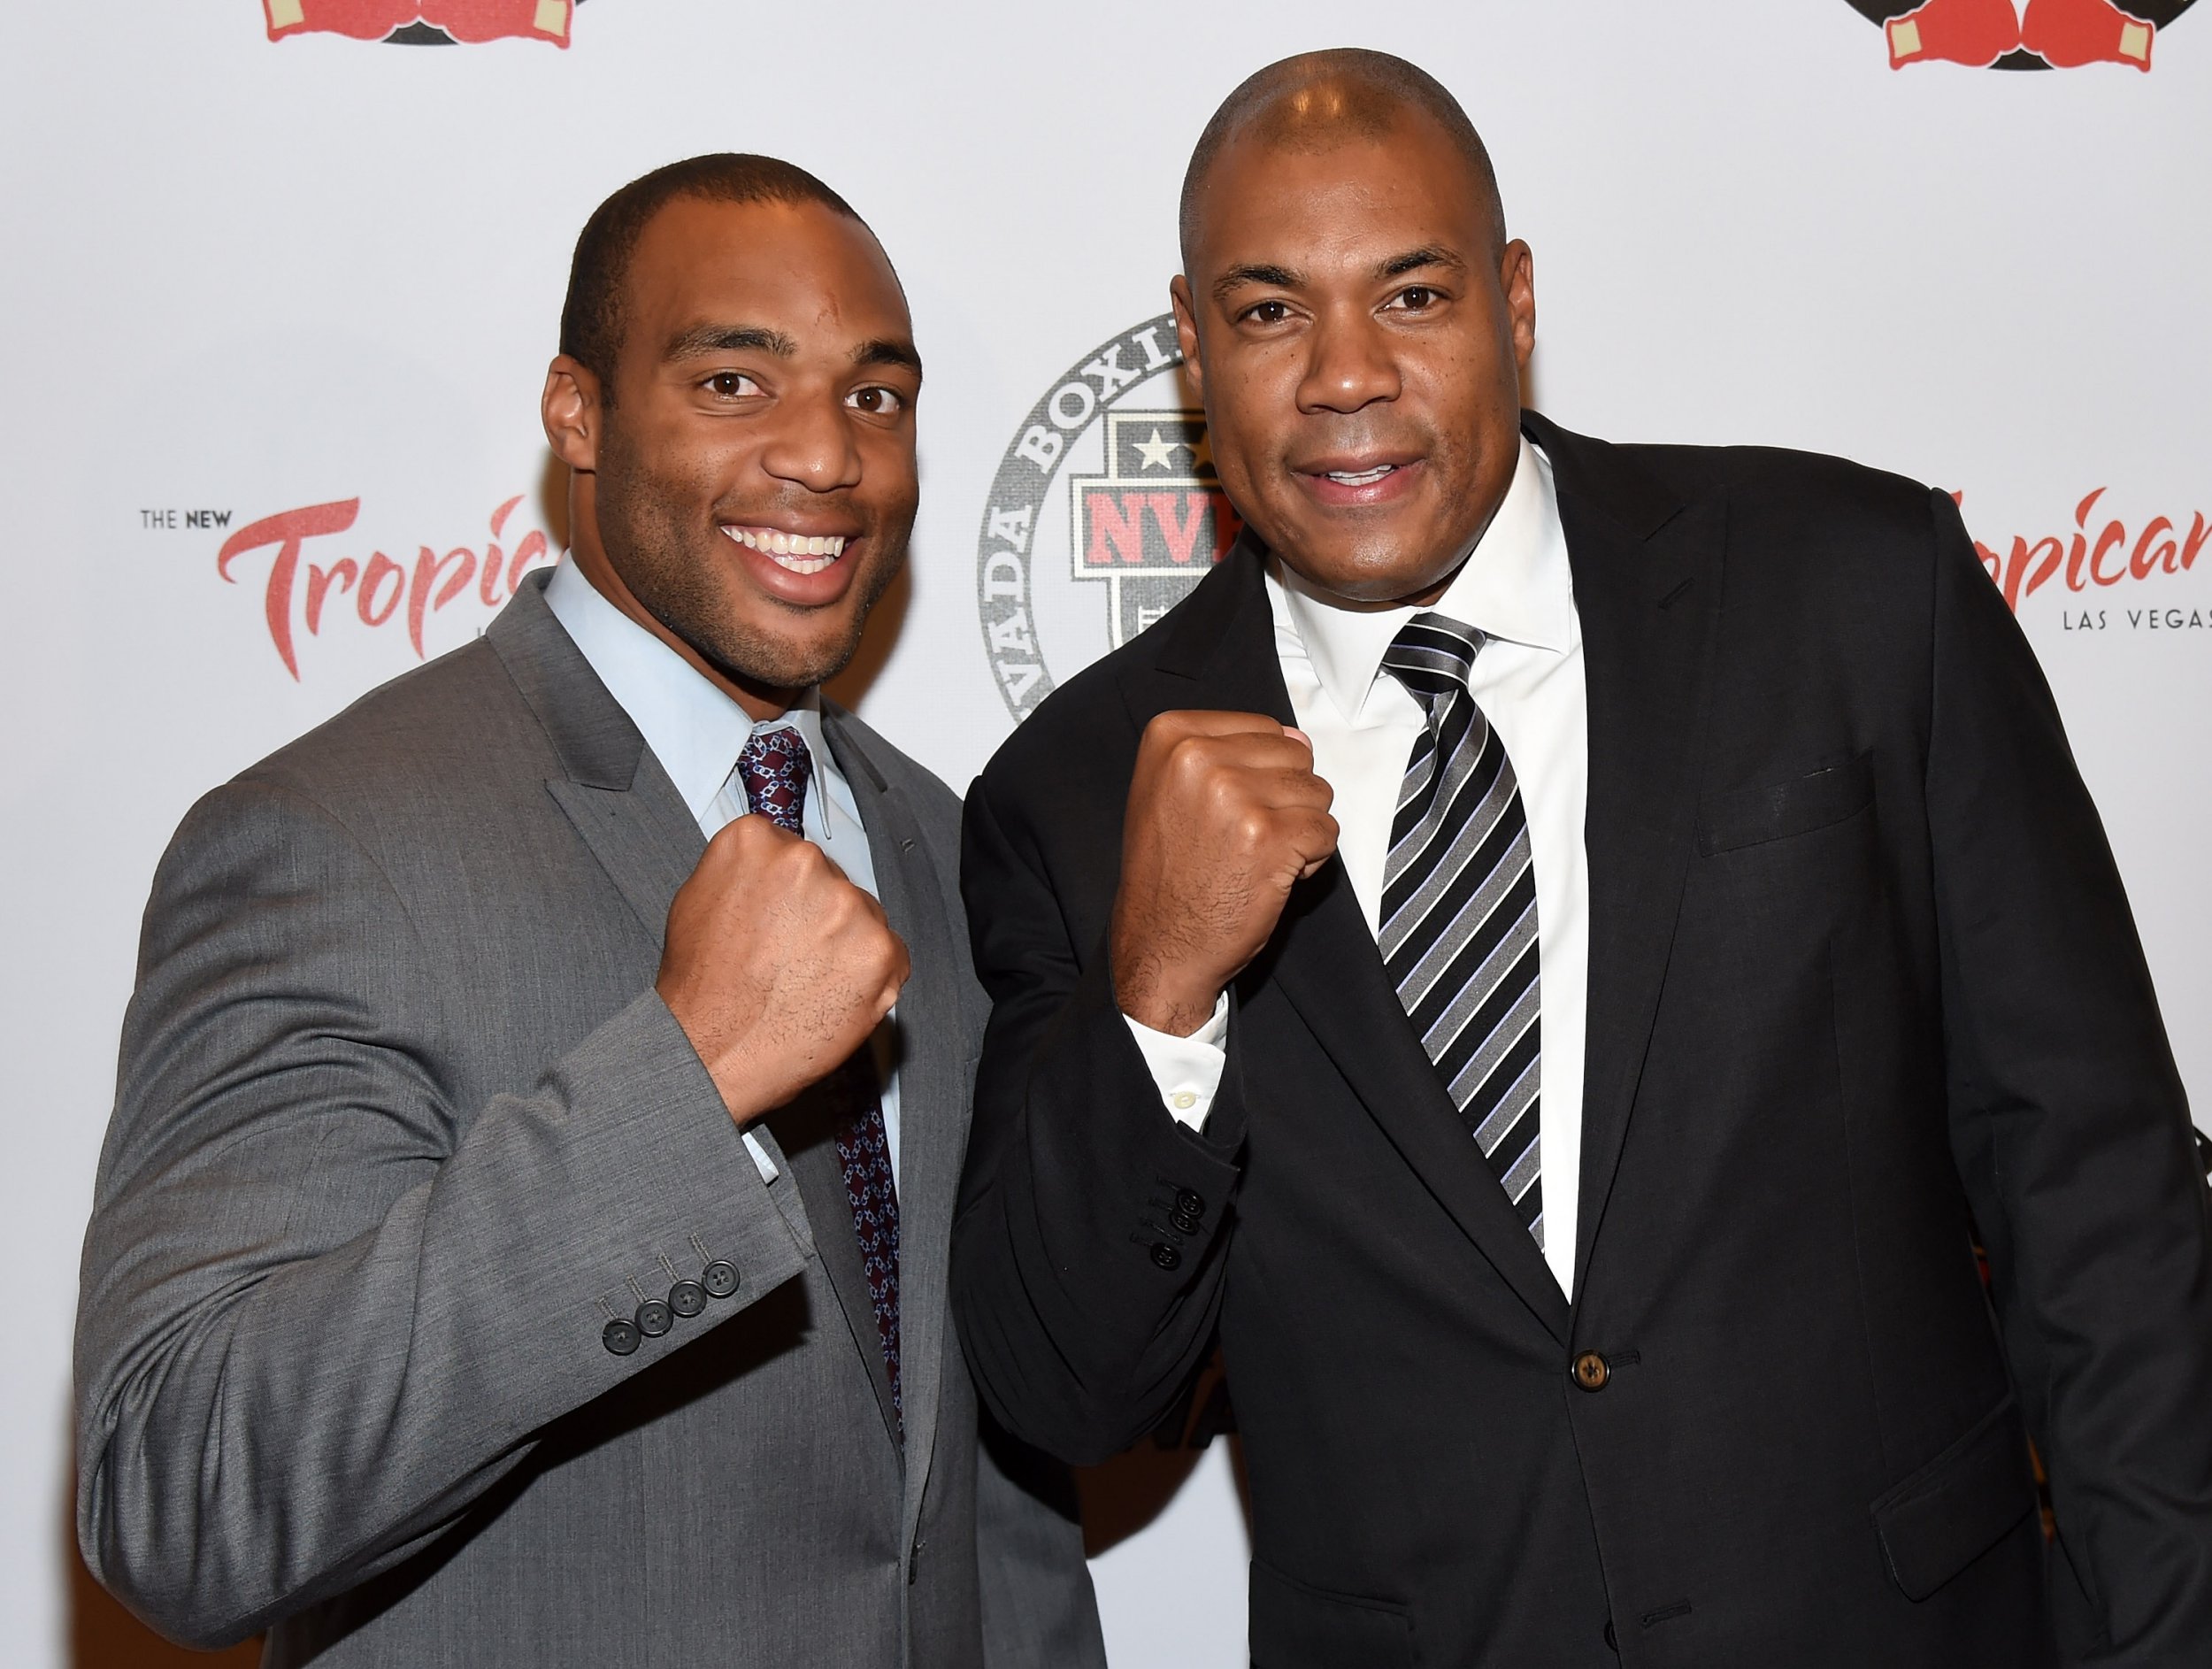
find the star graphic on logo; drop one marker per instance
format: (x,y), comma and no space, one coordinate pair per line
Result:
(1158,453)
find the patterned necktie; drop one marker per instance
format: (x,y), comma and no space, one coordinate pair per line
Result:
(775,768)
(1459,908)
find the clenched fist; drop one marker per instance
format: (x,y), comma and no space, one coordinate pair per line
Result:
(776,966)
(1225,816)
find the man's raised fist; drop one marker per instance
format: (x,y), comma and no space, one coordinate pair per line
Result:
(776,966)
(1226,815)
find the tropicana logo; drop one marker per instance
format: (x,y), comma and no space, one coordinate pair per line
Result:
(423,22)
(378,586)
(2098,554)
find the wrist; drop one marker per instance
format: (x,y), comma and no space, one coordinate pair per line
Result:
(740,1090)
(1166,1000)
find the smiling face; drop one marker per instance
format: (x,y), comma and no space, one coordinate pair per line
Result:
(747,492)
(1358,334)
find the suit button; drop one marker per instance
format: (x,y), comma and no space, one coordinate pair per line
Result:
(1166,1257)
(620,1337)
(654,1317)
(719,1277)
(1590,1371)
(1190,1203)
(687,1298)
(1183,1223)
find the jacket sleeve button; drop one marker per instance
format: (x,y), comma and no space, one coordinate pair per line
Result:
(719,1277)
(619,1336)
(1166,1256)
(687,1298)
(654,1317)
(1190,1203)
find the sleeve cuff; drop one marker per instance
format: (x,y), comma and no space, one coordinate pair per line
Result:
(762,1163)
(1187,1070)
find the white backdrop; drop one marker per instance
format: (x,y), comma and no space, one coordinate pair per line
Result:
(248,277)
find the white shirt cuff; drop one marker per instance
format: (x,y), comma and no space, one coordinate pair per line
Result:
(762,1163)
(1187,1069)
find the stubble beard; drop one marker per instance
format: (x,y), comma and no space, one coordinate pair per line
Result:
(655,542)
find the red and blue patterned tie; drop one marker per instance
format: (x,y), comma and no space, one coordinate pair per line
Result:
(775,768)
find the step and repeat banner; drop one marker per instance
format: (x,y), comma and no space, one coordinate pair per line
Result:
(282,277)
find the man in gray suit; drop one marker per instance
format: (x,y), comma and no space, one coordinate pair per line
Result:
(522,1235)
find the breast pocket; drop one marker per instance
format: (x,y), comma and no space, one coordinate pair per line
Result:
(1776,811)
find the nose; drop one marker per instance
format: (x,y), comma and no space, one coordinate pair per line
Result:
(1348,365)
(810,443)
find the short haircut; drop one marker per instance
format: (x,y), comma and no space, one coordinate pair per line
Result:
(591,317)
(1367,94)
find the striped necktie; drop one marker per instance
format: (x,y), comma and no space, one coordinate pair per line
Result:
(775,767)
(1459,908)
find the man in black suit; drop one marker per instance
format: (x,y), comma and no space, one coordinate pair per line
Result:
(1550,954)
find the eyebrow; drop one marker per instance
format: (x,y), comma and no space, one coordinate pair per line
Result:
(1255,272)
(888,350)
(709,339)
(1414,260)
(1266,273)
(703,340)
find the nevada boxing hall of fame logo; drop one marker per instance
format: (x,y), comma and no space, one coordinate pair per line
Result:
(1105,513)
(2020,35)
(423,22)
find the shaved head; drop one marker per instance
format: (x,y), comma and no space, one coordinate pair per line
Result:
(1320,100)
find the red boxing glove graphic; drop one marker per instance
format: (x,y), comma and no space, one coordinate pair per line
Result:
(2066,33)
(469,21)
(473,20)
(363,20)
(1976,31)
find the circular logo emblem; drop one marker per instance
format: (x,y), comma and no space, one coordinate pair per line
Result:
(1104,513)
(2020,35)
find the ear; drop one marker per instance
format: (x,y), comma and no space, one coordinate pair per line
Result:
(572,410)
(1179,298)
(1516,276)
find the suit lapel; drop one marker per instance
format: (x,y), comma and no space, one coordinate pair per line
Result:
(613,790)
(933,1085)
(1648,571)
(806,1130)
(1322,958)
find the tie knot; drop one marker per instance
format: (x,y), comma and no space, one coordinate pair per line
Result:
(1433,654)
(775,766)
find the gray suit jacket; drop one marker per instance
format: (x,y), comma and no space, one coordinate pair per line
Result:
(402,1124)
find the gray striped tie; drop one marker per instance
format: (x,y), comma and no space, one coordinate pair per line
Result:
(1459,910)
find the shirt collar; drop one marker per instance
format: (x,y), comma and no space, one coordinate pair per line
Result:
(1516,585)
(694,729)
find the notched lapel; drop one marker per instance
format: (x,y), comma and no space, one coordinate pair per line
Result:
(1222,655)
(1220,650)
(643,836)
(932,1084)
(613,790)
(1324,960)
(1647,576)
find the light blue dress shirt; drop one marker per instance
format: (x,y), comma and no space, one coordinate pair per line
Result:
(696,733)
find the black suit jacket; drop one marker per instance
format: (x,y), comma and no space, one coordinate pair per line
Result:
(1862,981)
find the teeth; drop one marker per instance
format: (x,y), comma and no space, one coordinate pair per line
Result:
(1361,478)
(801,553)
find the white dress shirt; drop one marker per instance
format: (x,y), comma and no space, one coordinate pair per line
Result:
(1517,589)
(696,733)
